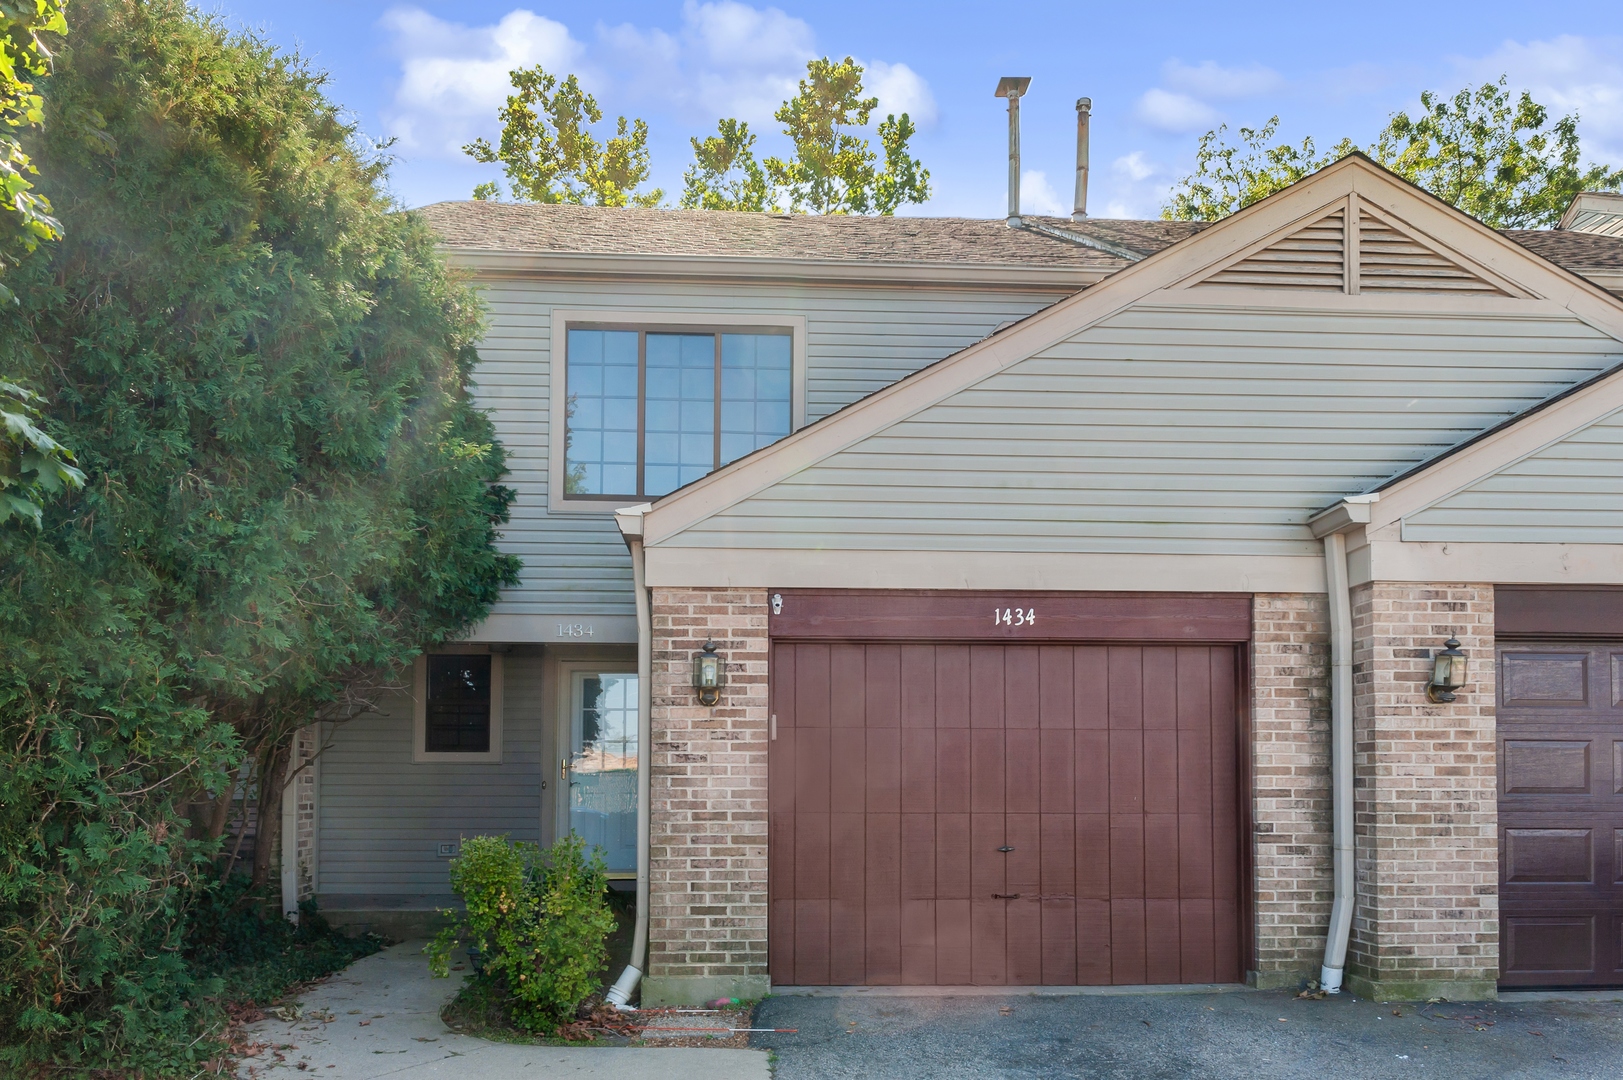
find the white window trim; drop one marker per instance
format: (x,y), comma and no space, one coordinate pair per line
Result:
(419,715)
(563,318)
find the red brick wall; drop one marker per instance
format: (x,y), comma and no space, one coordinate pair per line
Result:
(1426,793)
(707,915)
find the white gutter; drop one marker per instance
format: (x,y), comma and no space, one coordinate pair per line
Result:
(630,522)
(1332,526)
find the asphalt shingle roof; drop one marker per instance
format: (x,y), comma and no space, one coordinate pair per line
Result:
(517,227)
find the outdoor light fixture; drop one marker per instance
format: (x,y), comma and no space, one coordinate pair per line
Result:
(1447,673)
(709,674)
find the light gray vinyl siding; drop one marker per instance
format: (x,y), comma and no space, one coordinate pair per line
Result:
(1174,430)
(858,340)
(382,816)
(1568,493)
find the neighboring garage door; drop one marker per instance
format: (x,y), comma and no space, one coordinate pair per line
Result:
(1003,814)
(1560,730)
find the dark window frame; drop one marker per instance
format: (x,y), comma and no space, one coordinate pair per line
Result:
(421,687)
(642,330)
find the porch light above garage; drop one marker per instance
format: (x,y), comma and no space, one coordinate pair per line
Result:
(709,674)
(1448,669)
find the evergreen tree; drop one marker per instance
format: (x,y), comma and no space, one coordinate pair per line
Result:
(264,368)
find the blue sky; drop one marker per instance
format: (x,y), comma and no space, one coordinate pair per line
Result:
(432,75)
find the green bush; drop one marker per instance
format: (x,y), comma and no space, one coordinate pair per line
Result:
(540,920)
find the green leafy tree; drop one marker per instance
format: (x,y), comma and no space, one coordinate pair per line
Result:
(1499,159)
(33,466)
(1496,157)
(264,369)
(724,174)
(24,25)
(835,170)
(549,154)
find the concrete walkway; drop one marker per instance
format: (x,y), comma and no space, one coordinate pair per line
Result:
(380,1017)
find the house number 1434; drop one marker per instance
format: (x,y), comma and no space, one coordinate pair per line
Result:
(1014,617)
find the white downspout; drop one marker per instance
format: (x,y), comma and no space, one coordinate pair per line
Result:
(1341,762)
(630,522)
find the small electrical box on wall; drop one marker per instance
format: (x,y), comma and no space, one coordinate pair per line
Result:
(449,851)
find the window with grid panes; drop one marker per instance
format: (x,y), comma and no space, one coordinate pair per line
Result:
(651,410)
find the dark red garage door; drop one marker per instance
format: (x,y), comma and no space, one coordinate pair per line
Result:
(1560,731)
(995,814)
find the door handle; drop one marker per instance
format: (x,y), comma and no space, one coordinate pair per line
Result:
(1005,896)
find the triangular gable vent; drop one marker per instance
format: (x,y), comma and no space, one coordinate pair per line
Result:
(1390,260)
(1314,257)
(1386,258)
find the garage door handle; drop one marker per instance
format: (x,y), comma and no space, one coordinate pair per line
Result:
(1005,896)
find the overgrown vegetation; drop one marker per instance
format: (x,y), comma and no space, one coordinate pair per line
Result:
(540,921)
(1496,156)
(263,371)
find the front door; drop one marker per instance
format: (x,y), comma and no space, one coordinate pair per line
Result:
(601,765)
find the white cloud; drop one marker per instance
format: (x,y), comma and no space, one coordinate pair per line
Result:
(1208,80)
(453,78)
(1037,196)
(1175,113)
(1568,74)
(1134,167)
(900,89)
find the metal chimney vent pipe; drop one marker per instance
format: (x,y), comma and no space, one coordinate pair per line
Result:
(1084,108)
(1013,87)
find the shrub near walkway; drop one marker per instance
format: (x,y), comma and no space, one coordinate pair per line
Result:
(537,922)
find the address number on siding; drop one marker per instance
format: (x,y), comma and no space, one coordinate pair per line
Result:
(1014,616)
(575,630)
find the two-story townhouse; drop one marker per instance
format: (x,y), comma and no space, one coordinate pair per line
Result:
(1078,591)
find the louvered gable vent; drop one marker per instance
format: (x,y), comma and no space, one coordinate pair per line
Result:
(1311,258)
(1393,261)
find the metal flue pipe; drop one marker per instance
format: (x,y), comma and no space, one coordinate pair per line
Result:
(1084,108)
(1014,87)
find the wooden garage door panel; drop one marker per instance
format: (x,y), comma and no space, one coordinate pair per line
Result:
(1560,814)
(1003,814)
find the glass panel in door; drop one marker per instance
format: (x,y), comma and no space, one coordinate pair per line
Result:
(603,766)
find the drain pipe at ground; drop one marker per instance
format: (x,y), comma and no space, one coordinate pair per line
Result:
(1341,762)
(630,522)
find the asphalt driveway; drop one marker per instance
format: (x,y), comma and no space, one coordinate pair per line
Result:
(1235,1034)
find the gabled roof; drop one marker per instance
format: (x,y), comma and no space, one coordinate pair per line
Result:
(530,227)
(492,228)
(1410,229)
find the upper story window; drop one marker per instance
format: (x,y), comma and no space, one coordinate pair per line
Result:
(648,411)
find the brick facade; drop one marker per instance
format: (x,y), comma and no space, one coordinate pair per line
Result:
(1290,722)
(1426,797)
(707,916)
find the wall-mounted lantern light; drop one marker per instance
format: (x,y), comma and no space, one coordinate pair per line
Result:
(1447,673)
(709,674)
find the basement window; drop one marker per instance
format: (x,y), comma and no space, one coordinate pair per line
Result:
(457,713)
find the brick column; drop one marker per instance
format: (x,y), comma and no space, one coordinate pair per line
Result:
(1290,717)
(1426,797)
(707,915)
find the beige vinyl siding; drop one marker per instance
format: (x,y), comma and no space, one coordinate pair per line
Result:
(382,815)
(1172,429)
(858,340)
(1568,493)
